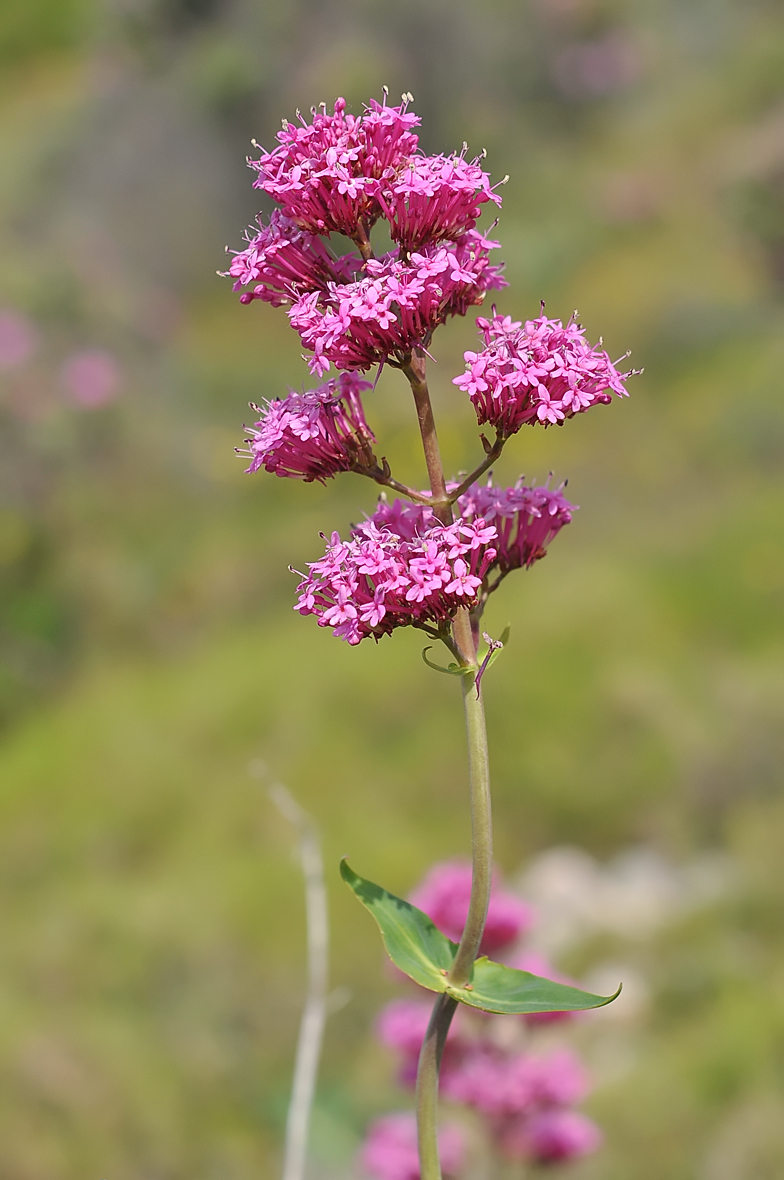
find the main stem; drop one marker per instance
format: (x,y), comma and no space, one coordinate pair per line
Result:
(481,821)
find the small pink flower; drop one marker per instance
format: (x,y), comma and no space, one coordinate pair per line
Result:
(314,435)
(92,378)
(539,372)
(444,895)
(390,1148)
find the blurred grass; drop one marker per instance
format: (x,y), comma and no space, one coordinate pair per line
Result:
(152,941)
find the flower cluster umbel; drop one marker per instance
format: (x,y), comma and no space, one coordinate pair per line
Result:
(525,1095)
(339,174)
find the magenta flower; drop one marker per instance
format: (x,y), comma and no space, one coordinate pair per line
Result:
(444,895)
(286,262)
(390,1148)
(326,174)
(434,198)
(542,372)
(550,1136)
(376,581)
(313,435)
(526,519)
(395,305)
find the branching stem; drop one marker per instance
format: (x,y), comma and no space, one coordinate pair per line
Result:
(492,454)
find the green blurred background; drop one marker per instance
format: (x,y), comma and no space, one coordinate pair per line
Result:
(151,920)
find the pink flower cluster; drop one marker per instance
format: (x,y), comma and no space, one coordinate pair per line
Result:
(539,372)
(285,261)
(326,174)
(341,173)
(434,198)
(376,580)
(313,435)
(403,568)
(524,1098)
(390,1149)
(395,304)
(444,895)
(526,519)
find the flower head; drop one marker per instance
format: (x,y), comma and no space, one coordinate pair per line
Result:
(377,581)
(390,1148)
(434,198)
(325,174)
(444,895)
(313,435)
(285,262)
(539,372)
(526,519)
(394,304)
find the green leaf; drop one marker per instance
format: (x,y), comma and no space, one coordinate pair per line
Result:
(452,670)
(412,941)
(420,950)
(496,988)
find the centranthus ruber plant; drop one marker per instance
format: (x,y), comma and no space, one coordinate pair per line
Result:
(431,557)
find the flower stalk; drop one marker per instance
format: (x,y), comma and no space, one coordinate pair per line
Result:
(481,813)
(429,561)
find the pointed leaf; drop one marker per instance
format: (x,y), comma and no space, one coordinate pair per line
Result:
(423,953)
(496,988)
(411,940)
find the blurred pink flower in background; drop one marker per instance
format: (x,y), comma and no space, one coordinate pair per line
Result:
(444,895)
(18,339)
(402,1025)
(92,377)
(390,1149)
(550,1136)
(503,1084)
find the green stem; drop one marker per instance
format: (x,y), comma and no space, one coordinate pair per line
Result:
(481,821)
(427,1086)
(481,833)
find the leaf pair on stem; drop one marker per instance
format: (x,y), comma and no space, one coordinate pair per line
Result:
(421,951)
